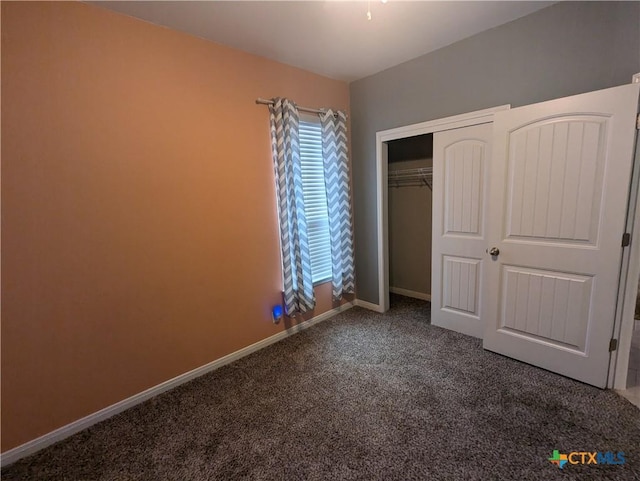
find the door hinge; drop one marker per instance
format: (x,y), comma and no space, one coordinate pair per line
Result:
(613,345)
(638,122)
(626,239)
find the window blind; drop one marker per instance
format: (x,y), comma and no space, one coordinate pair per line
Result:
(315,200)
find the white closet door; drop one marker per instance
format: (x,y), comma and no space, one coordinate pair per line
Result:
(460,158)
(559,188)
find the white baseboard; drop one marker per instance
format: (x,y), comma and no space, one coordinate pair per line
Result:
(368,305)
(59,434)
(408,293)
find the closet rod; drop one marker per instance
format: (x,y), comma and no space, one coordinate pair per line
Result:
(261,101)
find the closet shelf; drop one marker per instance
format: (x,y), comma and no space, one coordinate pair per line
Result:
(411,177)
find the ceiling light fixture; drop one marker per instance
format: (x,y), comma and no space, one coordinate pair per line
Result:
(369,8)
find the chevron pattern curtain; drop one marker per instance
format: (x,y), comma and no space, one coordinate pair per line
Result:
(336,177)
(296,261)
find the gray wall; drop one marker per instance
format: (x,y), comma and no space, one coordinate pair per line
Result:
(565,49)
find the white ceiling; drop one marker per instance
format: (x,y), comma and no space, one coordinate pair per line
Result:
(331,38)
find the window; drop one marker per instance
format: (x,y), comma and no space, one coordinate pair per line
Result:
(315,198)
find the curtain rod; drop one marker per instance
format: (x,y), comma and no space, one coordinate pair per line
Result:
(304,109)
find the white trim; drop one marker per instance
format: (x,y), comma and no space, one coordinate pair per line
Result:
(368,305)
(383,136)
(59,434)
(628,289)
(447,123)
(408,293)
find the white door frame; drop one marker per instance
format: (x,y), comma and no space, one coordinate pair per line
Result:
(382,164)
(629,274)
(627,291)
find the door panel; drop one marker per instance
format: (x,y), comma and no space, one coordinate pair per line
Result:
(459,199)
(546,306)
(562,162)
(460,284)
(462,183)
(559,186)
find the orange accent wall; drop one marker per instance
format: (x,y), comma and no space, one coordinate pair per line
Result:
(139,230)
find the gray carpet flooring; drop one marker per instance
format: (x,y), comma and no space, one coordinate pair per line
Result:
(361,396)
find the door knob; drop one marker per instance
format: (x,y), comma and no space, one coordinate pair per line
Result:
(494,251)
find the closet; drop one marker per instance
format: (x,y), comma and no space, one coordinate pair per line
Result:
(410,167)
(528,231)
